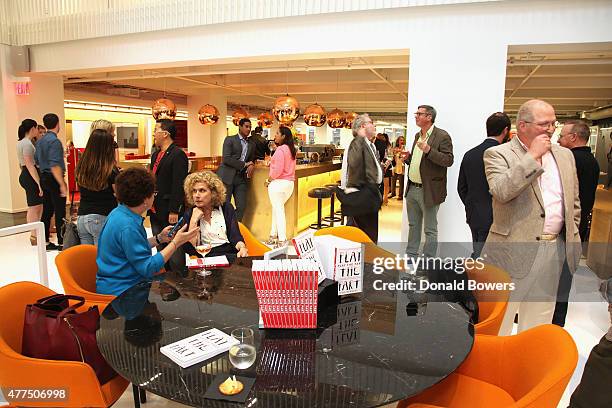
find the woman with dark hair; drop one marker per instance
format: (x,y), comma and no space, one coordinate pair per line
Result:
(124,251)
(383,146)
(29,178)
(280,183)
(95,175)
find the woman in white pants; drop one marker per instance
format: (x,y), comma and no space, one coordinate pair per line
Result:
(280,183)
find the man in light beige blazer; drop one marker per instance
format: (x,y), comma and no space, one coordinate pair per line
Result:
(536,212)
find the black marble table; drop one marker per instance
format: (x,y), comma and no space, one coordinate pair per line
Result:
(369,350)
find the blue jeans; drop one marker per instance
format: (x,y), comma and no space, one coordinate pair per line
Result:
(89,227)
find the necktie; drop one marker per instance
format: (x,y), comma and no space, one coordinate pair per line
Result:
(160,155)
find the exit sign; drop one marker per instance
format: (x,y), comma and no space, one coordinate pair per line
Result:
(22,88)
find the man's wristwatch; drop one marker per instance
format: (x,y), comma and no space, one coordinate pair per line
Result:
(157,239)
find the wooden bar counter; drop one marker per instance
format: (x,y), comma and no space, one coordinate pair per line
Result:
(300,210)
(599,256)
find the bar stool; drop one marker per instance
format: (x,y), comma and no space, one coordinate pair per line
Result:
(320,193)
(332,214)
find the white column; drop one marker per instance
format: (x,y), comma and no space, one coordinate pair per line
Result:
(46,96)
(464,81)
(206,140)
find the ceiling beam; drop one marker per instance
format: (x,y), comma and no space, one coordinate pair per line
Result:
(529,75)
(231,88)
(543,61)
(384,79)
(304,68)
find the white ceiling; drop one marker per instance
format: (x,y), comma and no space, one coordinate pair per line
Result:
(571,77)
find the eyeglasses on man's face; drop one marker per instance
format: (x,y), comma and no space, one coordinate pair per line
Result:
(545,125)
(417,114)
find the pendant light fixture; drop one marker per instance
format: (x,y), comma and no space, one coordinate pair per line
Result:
(265,120)
(238,114)
(286,108)
(315,115)
(163,109)
(208,114)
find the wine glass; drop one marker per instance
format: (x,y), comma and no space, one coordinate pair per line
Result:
(203,248)
(243,354)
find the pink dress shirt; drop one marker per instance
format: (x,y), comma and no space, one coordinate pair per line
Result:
(552,194)
(282,165)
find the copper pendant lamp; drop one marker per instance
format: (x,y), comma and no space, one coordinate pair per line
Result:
(348,119)
(208,115)
(238,114)
(315,115)
(286,109)
(265,120)
(335,119)
(163,109)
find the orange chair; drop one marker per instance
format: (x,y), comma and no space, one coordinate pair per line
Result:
(346,232)
(254,246)
(77,269)
(529,370)
(19,371)
(492,304)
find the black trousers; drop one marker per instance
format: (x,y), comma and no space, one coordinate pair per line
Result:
(594,388)
(367,223)
(479,236)
(176,262)
(53,203)
(238,189)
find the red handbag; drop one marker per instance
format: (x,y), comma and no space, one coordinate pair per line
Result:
(53,330)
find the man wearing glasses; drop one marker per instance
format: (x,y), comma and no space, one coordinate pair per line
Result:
(431,155)
(536,213)
(170,165)
(575,136)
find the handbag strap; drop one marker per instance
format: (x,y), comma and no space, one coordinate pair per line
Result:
(80,302)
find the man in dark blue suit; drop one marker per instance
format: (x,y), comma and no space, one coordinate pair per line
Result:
(473,187)
(238,165)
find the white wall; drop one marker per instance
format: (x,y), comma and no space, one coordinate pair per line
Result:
(206,140)
(46,96)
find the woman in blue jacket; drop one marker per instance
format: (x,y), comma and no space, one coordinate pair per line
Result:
(124,251)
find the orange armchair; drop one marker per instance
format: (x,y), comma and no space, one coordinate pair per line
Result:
(346,232)
(254,246)
(492,304)
(77,270)
(529,370)
(19,371)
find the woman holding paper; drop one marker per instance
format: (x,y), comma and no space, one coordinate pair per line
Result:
(280,183)
(205,194)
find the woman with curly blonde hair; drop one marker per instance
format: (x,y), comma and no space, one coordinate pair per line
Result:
(205,194)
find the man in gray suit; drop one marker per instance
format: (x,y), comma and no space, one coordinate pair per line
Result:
(431,155)
(237,165)
(536,213)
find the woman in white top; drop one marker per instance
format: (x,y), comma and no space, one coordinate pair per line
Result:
(29,178)
(205,194)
